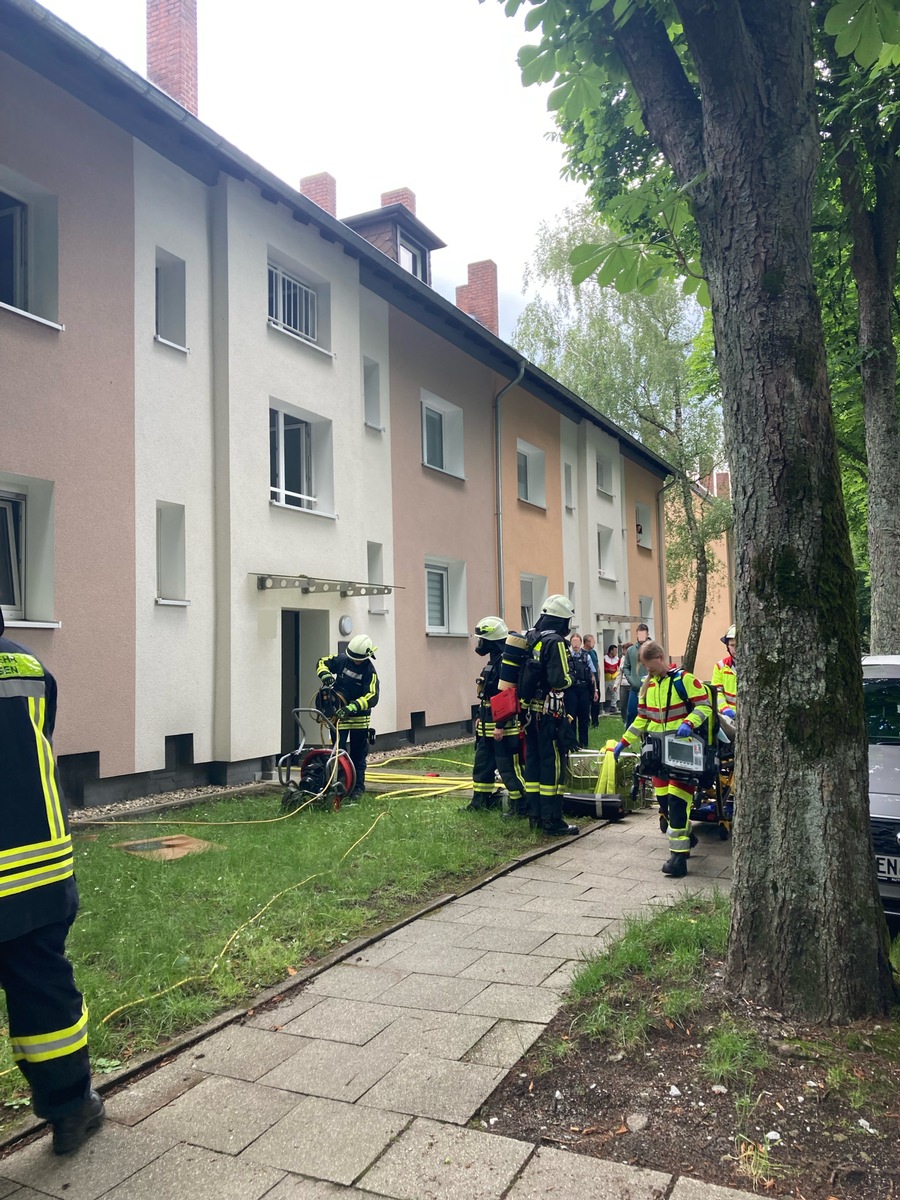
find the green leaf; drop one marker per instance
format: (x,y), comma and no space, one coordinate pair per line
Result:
(870,40)
(582,253)
(846,41)
(560,95)
(889,22)
(584,97)
(512,7)
(622,10)
(840,15)
(703,294)
(584,271)
(534,17)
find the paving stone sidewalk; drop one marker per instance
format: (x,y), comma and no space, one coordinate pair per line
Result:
(362,1083)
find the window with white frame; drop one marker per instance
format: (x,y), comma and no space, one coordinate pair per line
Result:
(606,566)
(170,552)
(375,574)
(643,527)
(645,608)
(442,435)
(568,487)
(532,594)
(301,471)
(570,592)
(531,473)
(28,246)
(170,299)
(412,258)
(604,475)
(372,394)
(299,303)
(12,555)
(445,596)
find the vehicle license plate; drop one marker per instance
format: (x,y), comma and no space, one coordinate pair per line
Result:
(888,868)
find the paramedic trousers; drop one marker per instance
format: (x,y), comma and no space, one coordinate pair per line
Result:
(545,771)
(494,755)
(675,798)
(47,1019)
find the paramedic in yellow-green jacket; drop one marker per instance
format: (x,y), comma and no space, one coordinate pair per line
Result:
(662,708)
(724,677)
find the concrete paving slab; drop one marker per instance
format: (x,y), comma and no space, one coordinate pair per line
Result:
(561,891)
(295,1187)
(434,1087)
(220,1114)
(498,967)
(557,1173)
(281,1014)
(326,1140)
(561,979)
(444,933)
(565,908)
(241,1052)
(550,922)
(7,1187)
(454,911)
(506,901)
(336,1020)
(110,1156)
(190,1171)
(436,959)
(143,1097)
(355,983)
(594,881)
(335,1070)
(693,1189)
(498,937)
(505,1043)
(435,1160)
(570,945)
(438,993)
(445,1035)
(538,870)
(380,952)
(504,919)
(517,1002)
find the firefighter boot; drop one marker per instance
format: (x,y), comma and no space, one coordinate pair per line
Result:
(69,1132)
(675,866)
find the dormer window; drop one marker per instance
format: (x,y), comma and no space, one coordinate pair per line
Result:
(411,257)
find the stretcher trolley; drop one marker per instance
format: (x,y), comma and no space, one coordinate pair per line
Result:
(584,796)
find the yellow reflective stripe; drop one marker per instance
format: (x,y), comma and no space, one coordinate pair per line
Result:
(55,822)
(22,855)
(17,666)
(26,880)
(43,1046)
(370,694)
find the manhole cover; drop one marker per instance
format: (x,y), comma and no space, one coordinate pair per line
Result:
(164,849)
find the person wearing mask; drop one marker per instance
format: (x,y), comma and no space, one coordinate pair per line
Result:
(544,680)
(610,672)
(591,647)
(496,741)
(670,701)
(353,677)
(634,672)
(724,677)
(583,691)
(47,1017)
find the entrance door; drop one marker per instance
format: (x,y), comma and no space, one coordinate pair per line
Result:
(290,678)
(304,640)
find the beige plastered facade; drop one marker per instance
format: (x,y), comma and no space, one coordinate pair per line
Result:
(74,439)
(644,563)
(719,609)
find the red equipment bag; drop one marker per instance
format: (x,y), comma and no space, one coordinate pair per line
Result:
(505,704)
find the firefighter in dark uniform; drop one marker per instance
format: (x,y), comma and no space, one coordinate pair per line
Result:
(548,735)
(496,742)
(353,677)
(38,902)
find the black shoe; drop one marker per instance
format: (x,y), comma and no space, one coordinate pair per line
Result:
(561,830)
(471,807)
(70,1132)
(675,866)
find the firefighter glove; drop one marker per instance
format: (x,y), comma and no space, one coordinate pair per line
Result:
(684,730)
(349,709)
(729,712)
(327,679)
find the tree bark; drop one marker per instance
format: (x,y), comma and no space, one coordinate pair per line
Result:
(808,935)
(701,563)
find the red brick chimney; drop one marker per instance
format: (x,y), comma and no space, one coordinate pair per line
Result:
(322,190)
(172,49)
(479,297)
(400,196)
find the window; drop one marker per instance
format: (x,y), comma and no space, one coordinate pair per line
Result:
(643,528)
(442,435)
(292,305)
(604,476)
(445,597)
(532,594)
(28,247)
(568,489)
(606,567)
(372,394)
(645,608)
(170,552)
(375,574)
(170,299)
(412,258)
(12,556)
(531,474)
(570,592)
(301,463)
(13,215)
(437,601)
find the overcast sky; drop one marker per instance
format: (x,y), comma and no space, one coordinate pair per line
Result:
(382,94)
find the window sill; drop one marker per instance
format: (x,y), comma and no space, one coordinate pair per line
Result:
(644,546)
(443,471)
(570,508)
(379,612)
(603,492)
(375,428)
(436,633)
(13,623)
(30,316)
(172,345)
(532,503)
(309,512)
(296,337)
(607,579)
(172,603)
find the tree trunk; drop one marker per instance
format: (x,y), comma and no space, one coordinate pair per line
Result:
(807,933)
(701,560)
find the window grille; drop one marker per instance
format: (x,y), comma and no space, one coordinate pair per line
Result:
(292,305)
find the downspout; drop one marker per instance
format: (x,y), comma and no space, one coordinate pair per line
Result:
(498,473)
(661,525)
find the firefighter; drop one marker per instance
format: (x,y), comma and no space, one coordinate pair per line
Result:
(548,731)
(496,742)
(353,677)
(38,902)
(724,677)
(661,709)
